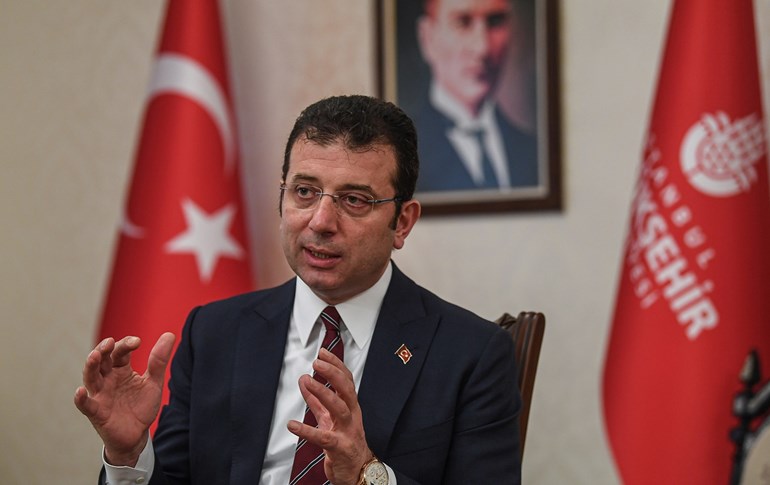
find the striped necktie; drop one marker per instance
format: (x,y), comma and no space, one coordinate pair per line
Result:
(490,179)
(308,467)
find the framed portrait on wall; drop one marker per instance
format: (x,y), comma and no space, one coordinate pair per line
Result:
(480,80)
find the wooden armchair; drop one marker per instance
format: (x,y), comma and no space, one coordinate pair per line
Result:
(526,329)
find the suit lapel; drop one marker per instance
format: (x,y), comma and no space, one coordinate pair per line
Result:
(443,168)
(259,350)
(387,381)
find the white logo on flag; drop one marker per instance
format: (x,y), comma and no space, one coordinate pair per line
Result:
(718,155)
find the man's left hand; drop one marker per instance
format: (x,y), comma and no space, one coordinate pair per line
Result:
(340,431)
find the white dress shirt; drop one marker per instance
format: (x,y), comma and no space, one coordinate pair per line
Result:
(359,316)
(464,141)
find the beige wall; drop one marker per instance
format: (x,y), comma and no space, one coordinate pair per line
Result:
(73,79)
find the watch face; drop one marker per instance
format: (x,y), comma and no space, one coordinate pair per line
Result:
(376,474)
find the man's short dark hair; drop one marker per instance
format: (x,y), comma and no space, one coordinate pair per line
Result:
(360,122)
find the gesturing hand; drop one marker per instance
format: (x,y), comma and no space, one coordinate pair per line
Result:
(340,431)
(120,403)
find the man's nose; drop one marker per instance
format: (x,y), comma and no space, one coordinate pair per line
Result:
(479,36)
(325,215)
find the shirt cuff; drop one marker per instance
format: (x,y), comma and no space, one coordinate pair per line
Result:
(126,475)
(391,475)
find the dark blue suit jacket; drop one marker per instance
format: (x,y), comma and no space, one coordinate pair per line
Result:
(441,168)
(448,416)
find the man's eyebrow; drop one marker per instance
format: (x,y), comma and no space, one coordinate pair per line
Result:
(358,188)
(300,177)
(310,179)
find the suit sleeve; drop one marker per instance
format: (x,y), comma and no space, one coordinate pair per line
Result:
(171,440)
(485,447)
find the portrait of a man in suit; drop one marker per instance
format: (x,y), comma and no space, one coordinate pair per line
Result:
(467,141)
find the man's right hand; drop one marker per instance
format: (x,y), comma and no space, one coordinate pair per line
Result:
(120,403)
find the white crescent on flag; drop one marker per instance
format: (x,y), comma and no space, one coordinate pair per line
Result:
(175,73)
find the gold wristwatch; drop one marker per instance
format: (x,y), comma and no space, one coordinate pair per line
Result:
(373,473)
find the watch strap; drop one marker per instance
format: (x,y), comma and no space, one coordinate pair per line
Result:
(362,476)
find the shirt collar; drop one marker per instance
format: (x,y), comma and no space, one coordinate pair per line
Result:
(359,314)
(449,107)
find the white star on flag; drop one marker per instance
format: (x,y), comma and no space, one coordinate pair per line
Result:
(206,237)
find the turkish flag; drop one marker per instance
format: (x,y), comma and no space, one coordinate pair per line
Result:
(182,240)
(694,291)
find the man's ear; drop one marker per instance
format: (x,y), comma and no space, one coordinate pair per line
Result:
(410,212)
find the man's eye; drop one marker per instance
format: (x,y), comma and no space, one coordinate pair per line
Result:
(463,22)
(354,200)
(497,20)
(304,192)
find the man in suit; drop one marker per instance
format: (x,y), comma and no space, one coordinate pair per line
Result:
(424,394)
(466,142)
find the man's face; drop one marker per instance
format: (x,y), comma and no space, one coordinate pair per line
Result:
(465,42)
(339,256)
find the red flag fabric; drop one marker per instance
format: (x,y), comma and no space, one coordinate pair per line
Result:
(693,295)
(182,240)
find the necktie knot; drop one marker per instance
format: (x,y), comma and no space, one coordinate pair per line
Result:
(477,133)
(332,339)
(331,319)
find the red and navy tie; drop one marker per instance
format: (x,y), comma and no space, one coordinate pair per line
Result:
(308,467)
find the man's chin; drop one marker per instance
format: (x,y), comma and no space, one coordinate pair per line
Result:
(319,279)
(474,98)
